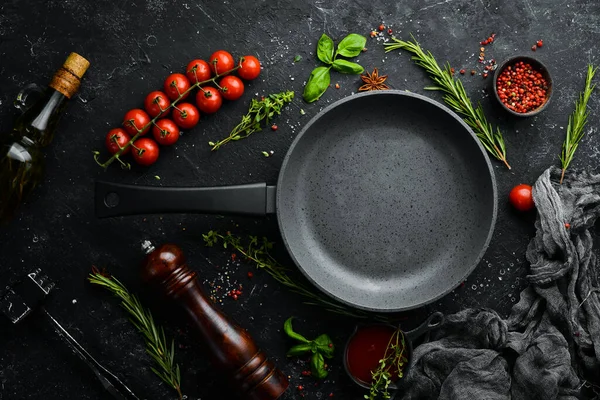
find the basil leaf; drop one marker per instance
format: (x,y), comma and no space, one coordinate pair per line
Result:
(317,366)
(325,49)
(287,328)
(323,346)
(317,84)
(347,67)
(352,45)
(298,349)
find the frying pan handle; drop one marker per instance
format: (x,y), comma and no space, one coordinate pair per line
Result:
(433,321)
(115,199)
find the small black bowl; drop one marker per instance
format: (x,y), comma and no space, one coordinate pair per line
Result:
(539,67)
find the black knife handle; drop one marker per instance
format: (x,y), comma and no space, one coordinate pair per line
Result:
(114,199)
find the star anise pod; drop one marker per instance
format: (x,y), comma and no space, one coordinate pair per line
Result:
(373,81)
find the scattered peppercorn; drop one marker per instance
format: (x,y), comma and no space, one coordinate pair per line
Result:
(250,274)
(373,33)
(473,72)
(462,71)
(533,47)
(540,43)
(331,394)
(306,373)
(567,225)
(521,88)
(274,127)
(452,71)
(300,387)
(485,75)
(390,31)
(381,27)
(337,85)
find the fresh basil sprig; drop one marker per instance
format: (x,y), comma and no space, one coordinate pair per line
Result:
(322,347)
(319,80)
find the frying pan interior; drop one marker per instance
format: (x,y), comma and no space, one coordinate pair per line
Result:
(386,201)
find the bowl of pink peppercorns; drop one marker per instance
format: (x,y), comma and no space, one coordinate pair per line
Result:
(523,86)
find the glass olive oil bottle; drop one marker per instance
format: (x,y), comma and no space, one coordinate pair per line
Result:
(21,151)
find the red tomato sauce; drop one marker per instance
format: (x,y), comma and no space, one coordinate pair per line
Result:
(365,349)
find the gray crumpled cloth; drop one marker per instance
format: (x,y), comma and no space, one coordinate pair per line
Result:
(549,347)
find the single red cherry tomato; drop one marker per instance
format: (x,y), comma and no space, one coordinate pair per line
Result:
(232,87)
(136,119)
(249,68)
(116,139)
(198,71)
(209,100)
(157,103)
(220,62)
(165,132)
(176,85)
(186,116)
(521,198)
(145,151)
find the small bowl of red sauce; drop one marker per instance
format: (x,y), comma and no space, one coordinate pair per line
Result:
(368,344)
(523,86)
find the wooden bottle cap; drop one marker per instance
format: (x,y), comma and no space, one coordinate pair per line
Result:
(76,65)
(67,79)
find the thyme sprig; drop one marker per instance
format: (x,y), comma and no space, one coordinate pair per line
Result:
(577,122)
(257,251)
(260,111)
(455,96)
(391,364)
(141,318)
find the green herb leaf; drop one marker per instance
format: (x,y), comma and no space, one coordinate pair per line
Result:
(347,67)
(317,366)
(317,84)
(299,349)
(297,58)
(325,345)
(352,45)
(141,318)
(325,49)
(287,328)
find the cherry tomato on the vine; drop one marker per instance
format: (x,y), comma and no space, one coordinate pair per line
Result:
(249,68)
(157,103)
(232,87)
(209,100)
(136,119)
(186,116)
(198,71)
(165,132)
(176,85)
(221,61)
(116,139)
(145,151)
(521,197)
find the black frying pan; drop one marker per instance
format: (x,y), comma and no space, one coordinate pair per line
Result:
(386,201)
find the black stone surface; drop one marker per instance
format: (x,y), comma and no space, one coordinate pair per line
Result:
(133,46)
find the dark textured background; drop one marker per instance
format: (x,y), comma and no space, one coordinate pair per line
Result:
(133,46)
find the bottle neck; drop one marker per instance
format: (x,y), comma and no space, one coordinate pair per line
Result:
(43,118)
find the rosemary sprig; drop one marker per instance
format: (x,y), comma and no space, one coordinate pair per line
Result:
(392,363)
(455,96)
(258,112)
(577,121)
(156,343)
(257,251)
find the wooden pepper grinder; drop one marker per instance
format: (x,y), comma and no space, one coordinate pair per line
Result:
(231,349)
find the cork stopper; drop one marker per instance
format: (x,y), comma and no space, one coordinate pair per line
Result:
(67,79)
